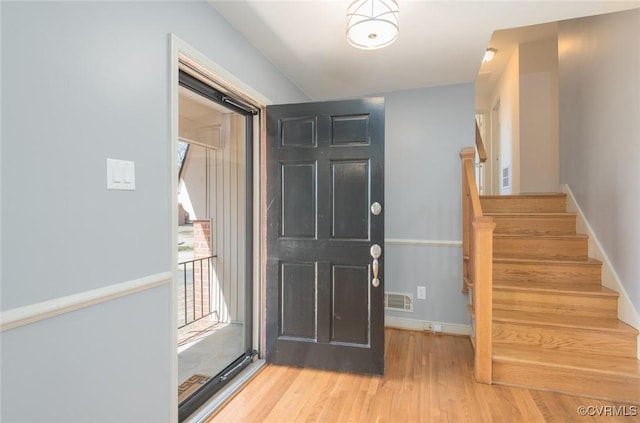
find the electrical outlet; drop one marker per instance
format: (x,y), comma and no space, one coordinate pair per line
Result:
(437,327)
(427,327)
(422,292)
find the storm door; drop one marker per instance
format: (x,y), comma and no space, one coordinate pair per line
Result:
(215,235)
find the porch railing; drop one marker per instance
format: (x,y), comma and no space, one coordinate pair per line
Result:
(477,267)
(195,290)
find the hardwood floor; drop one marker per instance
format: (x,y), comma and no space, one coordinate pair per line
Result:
(428,379)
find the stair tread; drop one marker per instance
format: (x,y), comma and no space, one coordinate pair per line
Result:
(563,320)
(531,214)
(589,261)
(622,366)
(537,236)
(530,195)
(577,288)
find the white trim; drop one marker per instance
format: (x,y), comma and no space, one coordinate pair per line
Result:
(420,325)
(175,44)
(423,242)
(215,71)
(33,313)
(626,310)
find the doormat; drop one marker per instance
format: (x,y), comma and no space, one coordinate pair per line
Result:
(191,385)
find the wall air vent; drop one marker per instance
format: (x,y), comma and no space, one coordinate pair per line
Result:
(397,301)
(506,183)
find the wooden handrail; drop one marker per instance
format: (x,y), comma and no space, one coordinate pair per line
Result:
(477,267)
(474,198)
(482,152)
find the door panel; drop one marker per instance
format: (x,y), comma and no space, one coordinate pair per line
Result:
(350,129)
(298,300)
(350,203)
(350,304)
(324,170)
(298,195)
(298,132)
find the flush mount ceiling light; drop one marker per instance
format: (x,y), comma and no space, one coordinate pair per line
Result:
(372,24)
(488,55)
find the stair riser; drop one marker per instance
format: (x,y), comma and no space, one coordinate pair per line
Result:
(540,248)
(547,272)
(575,340)
(616,388)
(535,225)
(542,204)
(557,303)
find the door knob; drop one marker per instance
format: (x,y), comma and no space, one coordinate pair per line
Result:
(376,252)
(376,208)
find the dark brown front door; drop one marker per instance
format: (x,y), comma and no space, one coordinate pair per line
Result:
(325,170)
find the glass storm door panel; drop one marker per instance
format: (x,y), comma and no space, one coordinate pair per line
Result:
(214,236)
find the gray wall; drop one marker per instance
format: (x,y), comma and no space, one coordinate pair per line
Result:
(538,80)
(425,131)
(83,81)
(599,68)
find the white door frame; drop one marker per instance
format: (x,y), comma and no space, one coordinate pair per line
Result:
(496,168)
(180,50)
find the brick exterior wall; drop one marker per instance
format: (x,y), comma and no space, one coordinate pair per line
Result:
(202,272)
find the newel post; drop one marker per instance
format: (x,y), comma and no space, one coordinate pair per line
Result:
(465,154)
(483,296)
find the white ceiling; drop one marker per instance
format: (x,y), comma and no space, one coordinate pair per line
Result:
(441,42)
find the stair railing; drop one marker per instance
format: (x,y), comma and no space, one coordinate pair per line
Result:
(482,158)
(482,152)
(477,267)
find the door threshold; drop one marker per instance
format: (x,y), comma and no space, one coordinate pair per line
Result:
(216,402)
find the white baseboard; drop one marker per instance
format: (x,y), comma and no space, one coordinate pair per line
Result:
(420,325)
(32,313)
(610,279)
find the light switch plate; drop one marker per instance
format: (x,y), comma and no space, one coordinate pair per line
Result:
(121,175)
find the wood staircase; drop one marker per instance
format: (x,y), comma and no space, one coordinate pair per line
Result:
(555,327)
